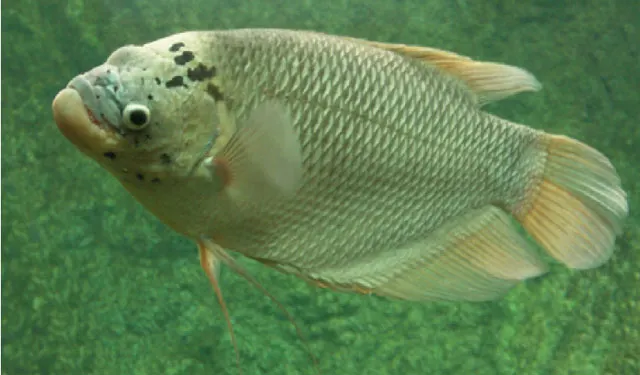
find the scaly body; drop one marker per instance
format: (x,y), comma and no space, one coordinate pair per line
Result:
(358,165)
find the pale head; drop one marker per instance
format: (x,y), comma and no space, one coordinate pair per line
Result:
(149,120)
(139,115)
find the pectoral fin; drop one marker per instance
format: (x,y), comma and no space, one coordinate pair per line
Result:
(262,161)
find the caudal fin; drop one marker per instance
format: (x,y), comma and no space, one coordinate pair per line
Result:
(579,207)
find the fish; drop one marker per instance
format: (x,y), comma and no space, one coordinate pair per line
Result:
(356,165)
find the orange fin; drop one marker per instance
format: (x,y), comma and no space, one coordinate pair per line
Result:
(578,208)
(211,265)
(489,81)
(476,257)
(220,255)
(262,160)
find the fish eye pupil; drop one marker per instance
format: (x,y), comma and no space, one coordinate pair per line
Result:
(138,117)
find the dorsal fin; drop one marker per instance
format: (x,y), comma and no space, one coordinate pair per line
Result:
(487,80)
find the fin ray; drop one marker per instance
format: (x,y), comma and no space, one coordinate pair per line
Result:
(489,81)
(477,257)
(225,258)
(211,265)
(579,207)
(263,159)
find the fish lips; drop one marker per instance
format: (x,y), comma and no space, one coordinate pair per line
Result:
(77,124)
(98,89)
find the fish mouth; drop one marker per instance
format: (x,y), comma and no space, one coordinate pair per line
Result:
(88,111)
(78,124)
(98,89)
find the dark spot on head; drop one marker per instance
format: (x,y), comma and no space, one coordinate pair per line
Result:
(201,72)
(175,47)
(165,158)
(184,58)
(215,93)
(150,97)
(147,137)
(110,155)
(140,176)
(97,96)
(155,180)
(176,81)
(158,80)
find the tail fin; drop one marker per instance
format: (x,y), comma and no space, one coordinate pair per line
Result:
(579,207)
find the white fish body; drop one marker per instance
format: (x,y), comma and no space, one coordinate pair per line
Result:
(358,165)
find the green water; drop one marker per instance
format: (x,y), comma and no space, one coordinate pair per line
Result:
(93,284)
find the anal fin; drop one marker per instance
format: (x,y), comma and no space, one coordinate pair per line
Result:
(477,257)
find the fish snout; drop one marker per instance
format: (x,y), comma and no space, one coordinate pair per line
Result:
(99,89)
(72,118)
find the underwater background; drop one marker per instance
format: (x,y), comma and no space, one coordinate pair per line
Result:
(93,284)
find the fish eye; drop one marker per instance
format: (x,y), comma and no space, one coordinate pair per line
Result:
(136,116)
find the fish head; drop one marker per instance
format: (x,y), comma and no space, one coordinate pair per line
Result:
(139,116)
